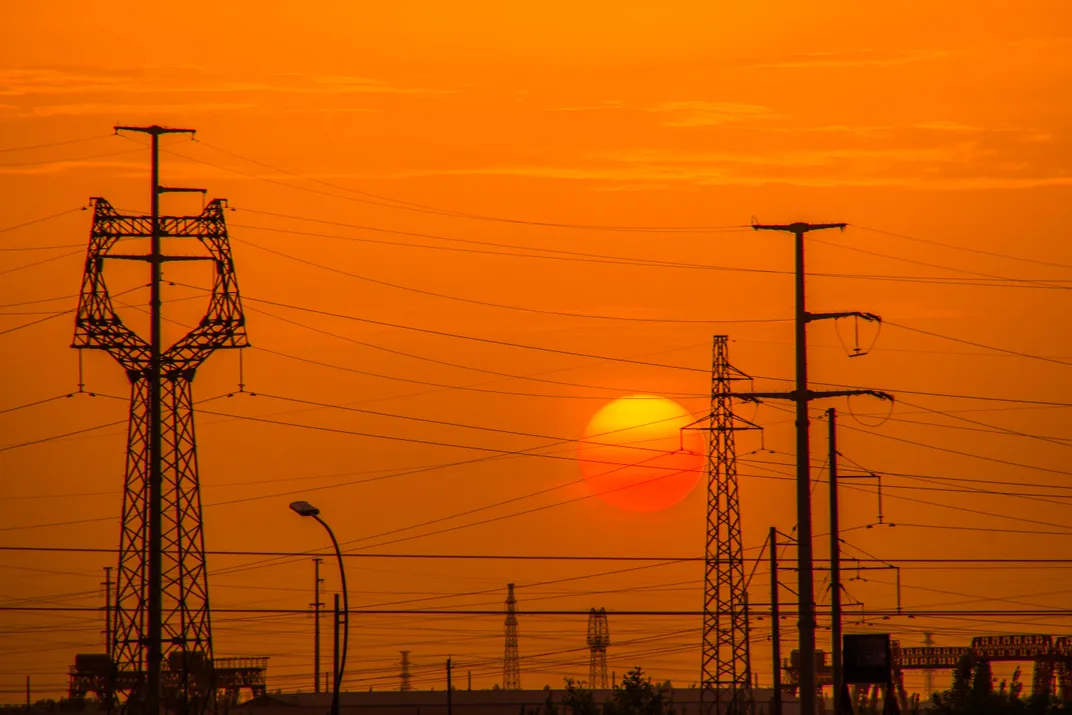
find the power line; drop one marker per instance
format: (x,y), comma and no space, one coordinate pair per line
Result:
(570,256)
(1063,442)
(491,341)
(1039,283)
(996,460)
(38,402)
(40,300)
(421,208)
(582,257)
(41,219)
(497,613)
(28,147)
(976,251)
(913,560)
(447,363)
(490,304)
(474,242)
(978,345)
(439,385)
(637,362)
(70,159)
(43,261)
(84,430)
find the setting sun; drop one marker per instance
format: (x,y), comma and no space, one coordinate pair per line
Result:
(636,456)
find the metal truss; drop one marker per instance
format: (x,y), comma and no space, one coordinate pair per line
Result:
(598,640)
(726,673)
(511,659)
(188,680)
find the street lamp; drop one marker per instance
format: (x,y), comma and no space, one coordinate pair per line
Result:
(304,508)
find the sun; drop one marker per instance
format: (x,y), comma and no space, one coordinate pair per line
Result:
(636,456)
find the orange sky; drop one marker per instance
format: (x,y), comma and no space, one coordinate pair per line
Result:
(946,123)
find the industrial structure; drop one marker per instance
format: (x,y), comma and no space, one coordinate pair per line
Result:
(405,676)
(511,660)
(598,640)
(1050,656)
(726,673)
(159,653)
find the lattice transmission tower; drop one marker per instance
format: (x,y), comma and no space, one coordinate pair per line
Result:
(598,640)
(161,625)
(405,676)
(726,672)
(511,661)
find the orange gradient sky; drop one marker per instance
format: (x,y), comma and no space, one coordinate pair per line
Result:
(947,122)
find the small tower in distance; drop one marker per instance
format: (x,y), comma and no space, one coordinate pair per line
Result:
(405,675)
(511,664)
(598,640)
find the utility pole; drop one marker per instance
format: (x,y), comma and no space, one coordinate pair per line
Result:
(335,661)
(317,604)
(108,611)
(776,636)
(28,698)
(154,635)
(450,690)
(835,564)
(802,396)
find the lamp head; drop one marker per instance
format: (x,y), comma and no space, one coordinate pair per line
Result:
(304,508)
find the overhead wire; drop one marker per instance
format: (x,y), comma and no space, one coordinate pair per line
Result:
(393,351)
(855,249)
(491,304)
(389,202)
(966,249)
(64,142)
(69,160)
(951,338)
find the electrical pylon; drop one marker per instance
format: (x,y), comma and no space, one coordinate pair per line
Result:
(161,626)
(726,671)
(405,676)
(598,640)
(511,662)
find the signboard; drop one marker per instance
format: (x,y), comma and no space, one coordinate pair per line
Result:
(866,658)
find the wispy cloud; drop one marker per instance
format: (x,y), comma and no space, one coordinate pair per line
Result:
(609,105)
(73,165)
(127,110)
(37,82)
(851,58)
(707,114)
(364,85)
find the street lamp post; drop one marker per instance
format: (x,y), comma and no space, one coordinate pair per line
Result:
(304,508)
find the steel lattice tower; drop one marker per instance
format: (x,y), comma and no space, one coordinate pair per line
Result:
(511,662)
(185,640)
(726,673)
(598,640)
(405,675)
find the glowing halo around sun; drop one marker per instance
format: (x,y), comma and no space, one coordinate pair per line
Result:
(635,455)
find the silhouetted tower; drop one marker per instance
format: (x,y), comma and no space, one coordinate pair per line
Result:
(161,630)
(726,673)
(511,662)
(405,674)
(598,640)
(928,674)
